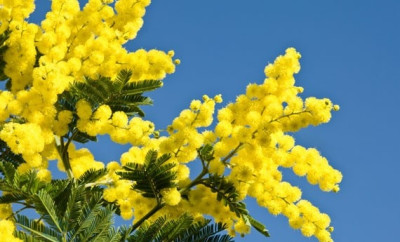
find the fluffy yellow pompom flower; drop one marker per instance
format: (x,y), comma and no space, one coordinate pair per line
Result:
(195,105)
(223,129)
(308,229)
(6,231)
(83,109)
(44,175)
(5,210)
(120,119)
(336,107)
(171,196)
(242,228)
(102,113)
(171,53)
(218,98)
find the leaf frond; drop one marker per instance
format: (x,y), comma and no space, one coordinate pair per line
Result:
(203,231)
(37,229)
(151,177)
(119,94)
(45,206)
(92,175)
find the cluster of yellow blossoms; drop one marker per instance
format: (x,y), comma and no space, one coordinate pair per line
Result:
(250,141)
(7,227)
(250,144)
(103,121)
(70,44)
(41,61)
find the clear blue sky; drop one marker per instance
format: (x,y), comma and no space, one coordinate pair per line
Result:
(350,54)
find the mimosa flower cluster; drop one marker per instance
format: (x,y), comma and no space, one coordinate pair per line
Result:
(251,138)
(251,142)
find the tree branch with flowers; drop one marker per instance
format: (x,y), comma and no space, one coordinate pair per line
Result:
(69,80)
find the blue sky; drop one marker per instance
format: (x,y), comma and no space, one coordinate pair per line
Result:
(350,53)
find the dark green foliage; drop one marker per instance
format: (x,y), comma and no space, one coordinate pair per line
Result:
(82,216)
(70,210)
(3,47)
(7,155)
(72,206)
(18,187)
(83,137)
(67,208)
(8,170)
(227,193)
(45,206)
(125,232)
(181,229)
(94,222)
(206,153)
(118,94)
(203,231)
(92,175)
(35,230)
(151,177)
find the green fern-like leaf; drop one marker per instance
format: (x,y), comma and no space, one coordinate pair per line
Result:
(7,155)
(118,94)
(46,207)
(17,186)
(141,87)
(56,188)
(125,232)
(27,237)
(174,228)
(68,209)
(73,207)
(92,175)
(83,137)
(226,192)
(8,170)
(182,229)
(206,152)
(13,197)
(113,235)
(151,177)
(94,221)
(3,47)
(100,226)
(203,231)
(37,229)
(148,232)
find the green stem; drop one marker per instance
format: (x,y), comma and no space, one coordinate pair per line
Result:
(288,115)
(197,180)
(233,152)
(160,205)
(65,156)
(65,159)
(17,212)
(145,217)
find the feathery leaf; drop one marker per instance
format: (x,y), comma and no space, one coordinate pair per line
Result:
(46,207)
(92,175)
(37,229)
(151,177)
